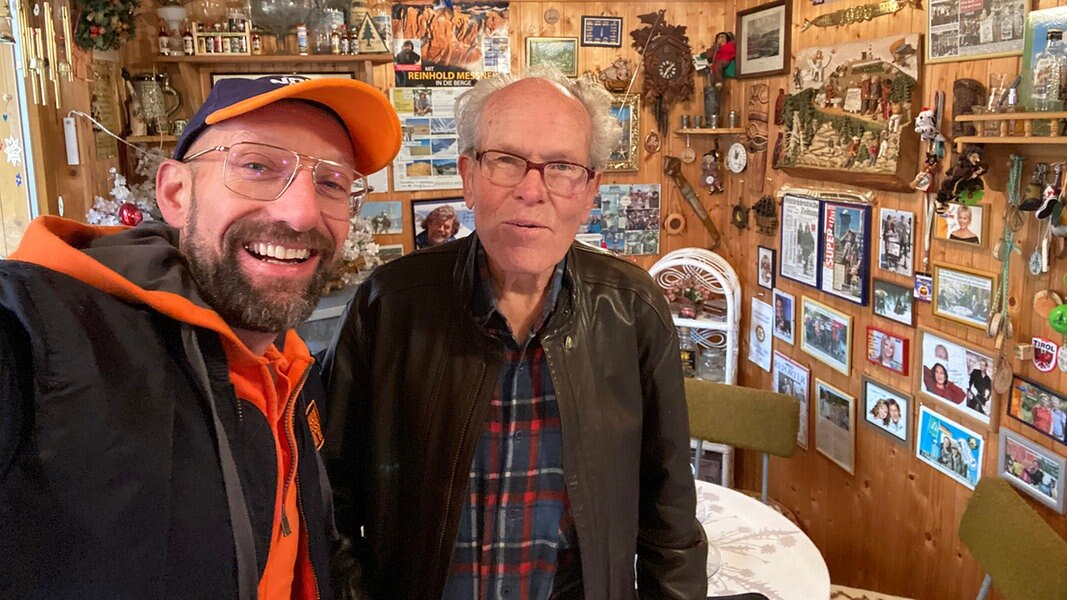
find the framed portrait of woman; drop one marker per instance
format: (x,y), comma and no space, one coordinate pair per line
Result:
(958,376)
(887,410)
(962,224)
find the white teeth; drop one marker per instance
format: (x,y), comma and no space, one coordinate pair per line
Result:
(279,252)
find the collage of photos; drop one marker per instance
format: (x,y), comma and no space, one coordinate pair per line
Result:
(949,447)
(958,376)
(429,152)
(1041,409)
(965,29)
(625,219)
(1032,469)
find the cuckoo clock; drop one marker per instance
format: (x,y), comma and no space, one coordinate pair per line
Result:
(668,64)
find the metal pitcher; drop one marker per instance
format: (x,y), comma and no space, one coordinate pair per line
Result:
(152,90)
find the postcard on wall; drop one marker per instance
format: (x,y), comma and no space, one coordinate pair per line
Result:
(626,217)
(895,229)
(800,243)
(1032,469)
(949,447)
(759,335)
(384,217)
(791,378)
(1042,409)
(846,241)
(835,425)
(957,376)
(429,149)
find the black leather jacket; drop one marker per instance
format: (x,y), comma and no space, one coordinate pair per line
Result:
(410,382)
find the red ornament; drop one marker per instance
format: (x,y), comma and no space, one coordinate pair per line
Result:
(129,214)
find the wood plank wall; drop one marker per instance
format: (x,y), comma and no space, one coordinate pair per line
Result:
(893,525)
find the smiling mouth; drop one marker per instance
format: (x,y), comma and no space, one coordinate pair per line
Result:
(279,254)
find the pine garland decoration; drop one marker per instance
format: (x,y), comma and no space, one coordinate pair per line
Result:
(105,24)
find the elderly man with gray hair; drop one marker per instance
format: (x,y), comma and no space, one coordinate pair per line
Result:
(507,414)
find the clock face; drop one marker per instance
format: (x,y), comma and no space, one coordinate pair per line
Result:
(737,157)
(668,69)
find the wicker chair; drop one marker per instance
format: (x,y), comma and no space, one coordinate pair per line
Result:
(1020,552)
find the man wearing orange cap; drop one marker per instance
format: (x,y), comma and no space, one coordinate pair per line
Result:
(160,430)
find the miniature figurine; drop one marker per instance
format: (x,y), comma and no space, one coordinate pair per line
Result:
(711,172)
(720,58)
(963,182)
(926,126)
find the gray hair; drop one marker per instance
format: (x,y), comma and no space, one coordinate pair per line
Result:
(597,101)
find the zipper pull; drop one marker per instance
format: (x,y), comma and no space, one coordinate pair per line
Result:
(285,524)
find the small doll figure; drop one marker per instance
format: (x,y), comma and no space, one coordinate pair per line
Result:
(963,182)
(925,179)
(720,66)
(711,172)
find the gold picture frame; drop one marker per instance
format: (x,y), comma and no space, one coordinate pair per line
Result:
(558,52)
(970,298)
(626,155)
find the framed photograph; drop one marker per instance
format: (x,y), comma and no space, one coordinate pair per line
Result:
(965,30)
(895,237)
(846,230)
(886,409)
(963,295)
(887,350)
(949,447)
(791,378)
(1032,469)
(801,240)
(558,52)
(784,316)
(958,376)
(826,334)
(217,77)
(1035,39)
(390,252)
(440,220)
(765,264)
(835,425)
(604,32)
(625,156)
(384,217)
(894,302)
(1040,408)
(763,40)
(963,224)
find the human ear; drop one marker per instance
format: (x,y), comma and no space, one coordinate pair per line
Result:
(174,187)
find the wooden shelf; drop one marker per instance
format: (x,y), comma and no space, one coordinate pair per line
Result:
(1011,139)
(152,139)
(207,59)
(1016,116)
(707,131)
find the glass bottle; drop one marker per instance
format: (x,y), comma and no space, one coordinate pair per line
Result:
(188,45)
(164,39)
(1009,127)
(688,352)
(353,40)
(335,40)
(358,11)
(302,39)
(1049,74)
(381,13)
(257,44)
(345,45)
(711,365)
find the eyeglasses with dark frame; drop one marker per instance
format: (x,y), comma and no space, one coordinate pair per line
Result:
(505,168)
(264,172)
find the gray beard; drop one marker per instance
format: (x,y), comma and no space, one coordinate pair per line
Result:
(279,306)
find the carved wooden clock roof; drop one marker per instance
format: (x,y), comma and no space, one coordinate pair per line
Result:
(667,59)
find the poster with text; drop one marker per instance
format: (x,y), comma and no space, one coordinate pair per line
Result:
(453,46)
(429,150)
(759,334)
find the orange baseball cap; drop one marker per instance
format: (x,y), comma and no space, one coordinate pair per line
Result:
(371,122)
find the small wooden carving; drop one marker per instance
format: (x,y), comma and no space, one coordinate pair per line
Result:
(758,104)
(849,119)
(966,94)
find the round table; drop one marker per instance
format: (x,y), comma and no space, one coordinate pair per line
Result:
(761,550)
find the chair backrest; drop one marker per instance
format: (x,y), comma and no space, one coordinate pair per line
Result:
(743,417)
(1022,554)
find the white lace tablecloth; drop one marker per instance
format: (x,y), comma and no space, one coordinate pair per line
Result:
(762,551)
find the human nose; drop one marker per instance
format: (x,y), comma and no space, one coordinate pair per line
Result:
(298,206)
(532,186)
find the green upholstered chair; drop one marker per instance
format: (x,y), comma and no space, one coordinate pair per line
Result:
(744,418)
(1021,554)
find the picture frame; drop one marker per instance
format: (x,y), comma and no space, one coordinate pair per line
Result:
(896,241)
(968,376)
(846,234)
(1032,469)
(1038,22)
(558,52)
(835,425)
(887,410)
(784,316)
(792,379)
(963,295)
(893,301)
(384,216)
(626,155)
(963,224)
(219,76)
(826,334)
(800,242)
(390,252)
(763,39)
(765,267)
(463,223)
(958,30)
(949,447)
(888,350)
(602,32)
(1048,419)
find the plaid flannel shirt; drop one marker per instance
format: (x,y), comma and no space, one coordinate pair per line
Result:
(516,525)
